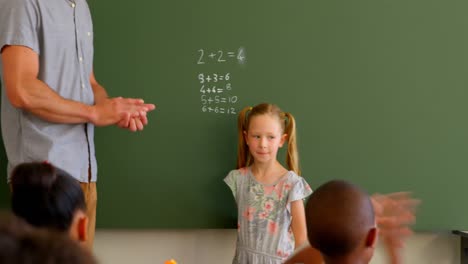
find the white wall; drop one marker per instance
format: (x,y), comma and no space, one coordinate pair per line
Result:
(217,247)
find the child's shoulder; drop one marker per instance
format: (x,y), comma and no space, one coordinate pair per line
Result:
(237,176)
(299,186)
(292,176)
(239,172)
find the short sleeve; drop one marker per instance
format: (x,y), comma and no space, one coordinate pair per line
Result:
(231,181)
(299,190)
(19,24)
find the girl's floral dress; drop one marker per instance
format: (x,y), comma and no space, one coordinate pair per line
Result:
(264,216)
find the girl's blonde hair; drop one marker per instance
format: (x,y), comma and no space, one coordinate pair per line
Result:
(287,123)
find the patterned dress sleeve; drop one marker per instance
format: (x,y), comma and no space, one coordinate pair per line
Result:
(299,190)
(231,181)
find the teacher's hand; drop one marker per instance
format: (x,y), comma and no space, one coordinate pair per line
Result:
(136,122)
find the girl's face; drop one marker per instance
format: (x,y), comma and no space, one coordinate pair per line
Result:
(264,137)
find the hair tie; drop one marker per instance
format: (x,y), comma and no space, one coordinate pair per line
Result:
(250,108)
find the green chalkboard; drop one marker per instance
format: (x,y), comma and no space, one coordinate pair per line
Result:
(379,89)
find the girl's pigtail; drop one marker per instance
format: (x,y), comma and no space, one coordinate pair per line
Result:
(242,148)
(292,157)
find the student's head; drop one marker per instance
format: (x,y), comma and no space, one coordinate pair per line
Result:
(12,232)
(263,129)
(341,223)
(22,244)
(46,196)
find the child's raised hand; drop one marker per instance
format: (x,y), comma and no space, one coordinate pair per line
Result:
(394,210)
(394,213)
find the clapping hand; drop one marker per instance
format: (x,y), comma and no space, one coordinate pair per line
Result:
(136,119)
(395,212)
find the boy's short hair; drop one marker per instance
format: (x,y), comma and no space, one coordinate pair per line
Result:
(338,215)
(45,196)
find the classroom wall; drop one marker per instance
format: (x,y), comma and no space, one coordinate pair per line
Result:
(210,246)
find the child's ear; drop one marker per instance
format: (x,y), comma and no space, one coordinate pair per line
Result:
(79,226)
(371,238)
(83,228)
(284,137)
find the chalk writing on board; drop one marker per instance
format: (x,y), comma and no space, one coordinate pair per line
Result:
(216,88)
(216,99)
(215,77)
(215,93)
(221,56)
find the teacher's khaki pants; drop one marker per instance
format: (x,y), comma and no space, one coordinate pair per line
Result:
(90,194)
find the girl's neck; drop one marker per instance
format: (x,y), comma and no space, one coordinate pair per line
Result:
(268,173)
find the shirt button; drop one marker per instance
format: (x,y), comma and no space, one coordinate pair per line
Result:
(82,85)
(73,5)
(81,59)
(89,34)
